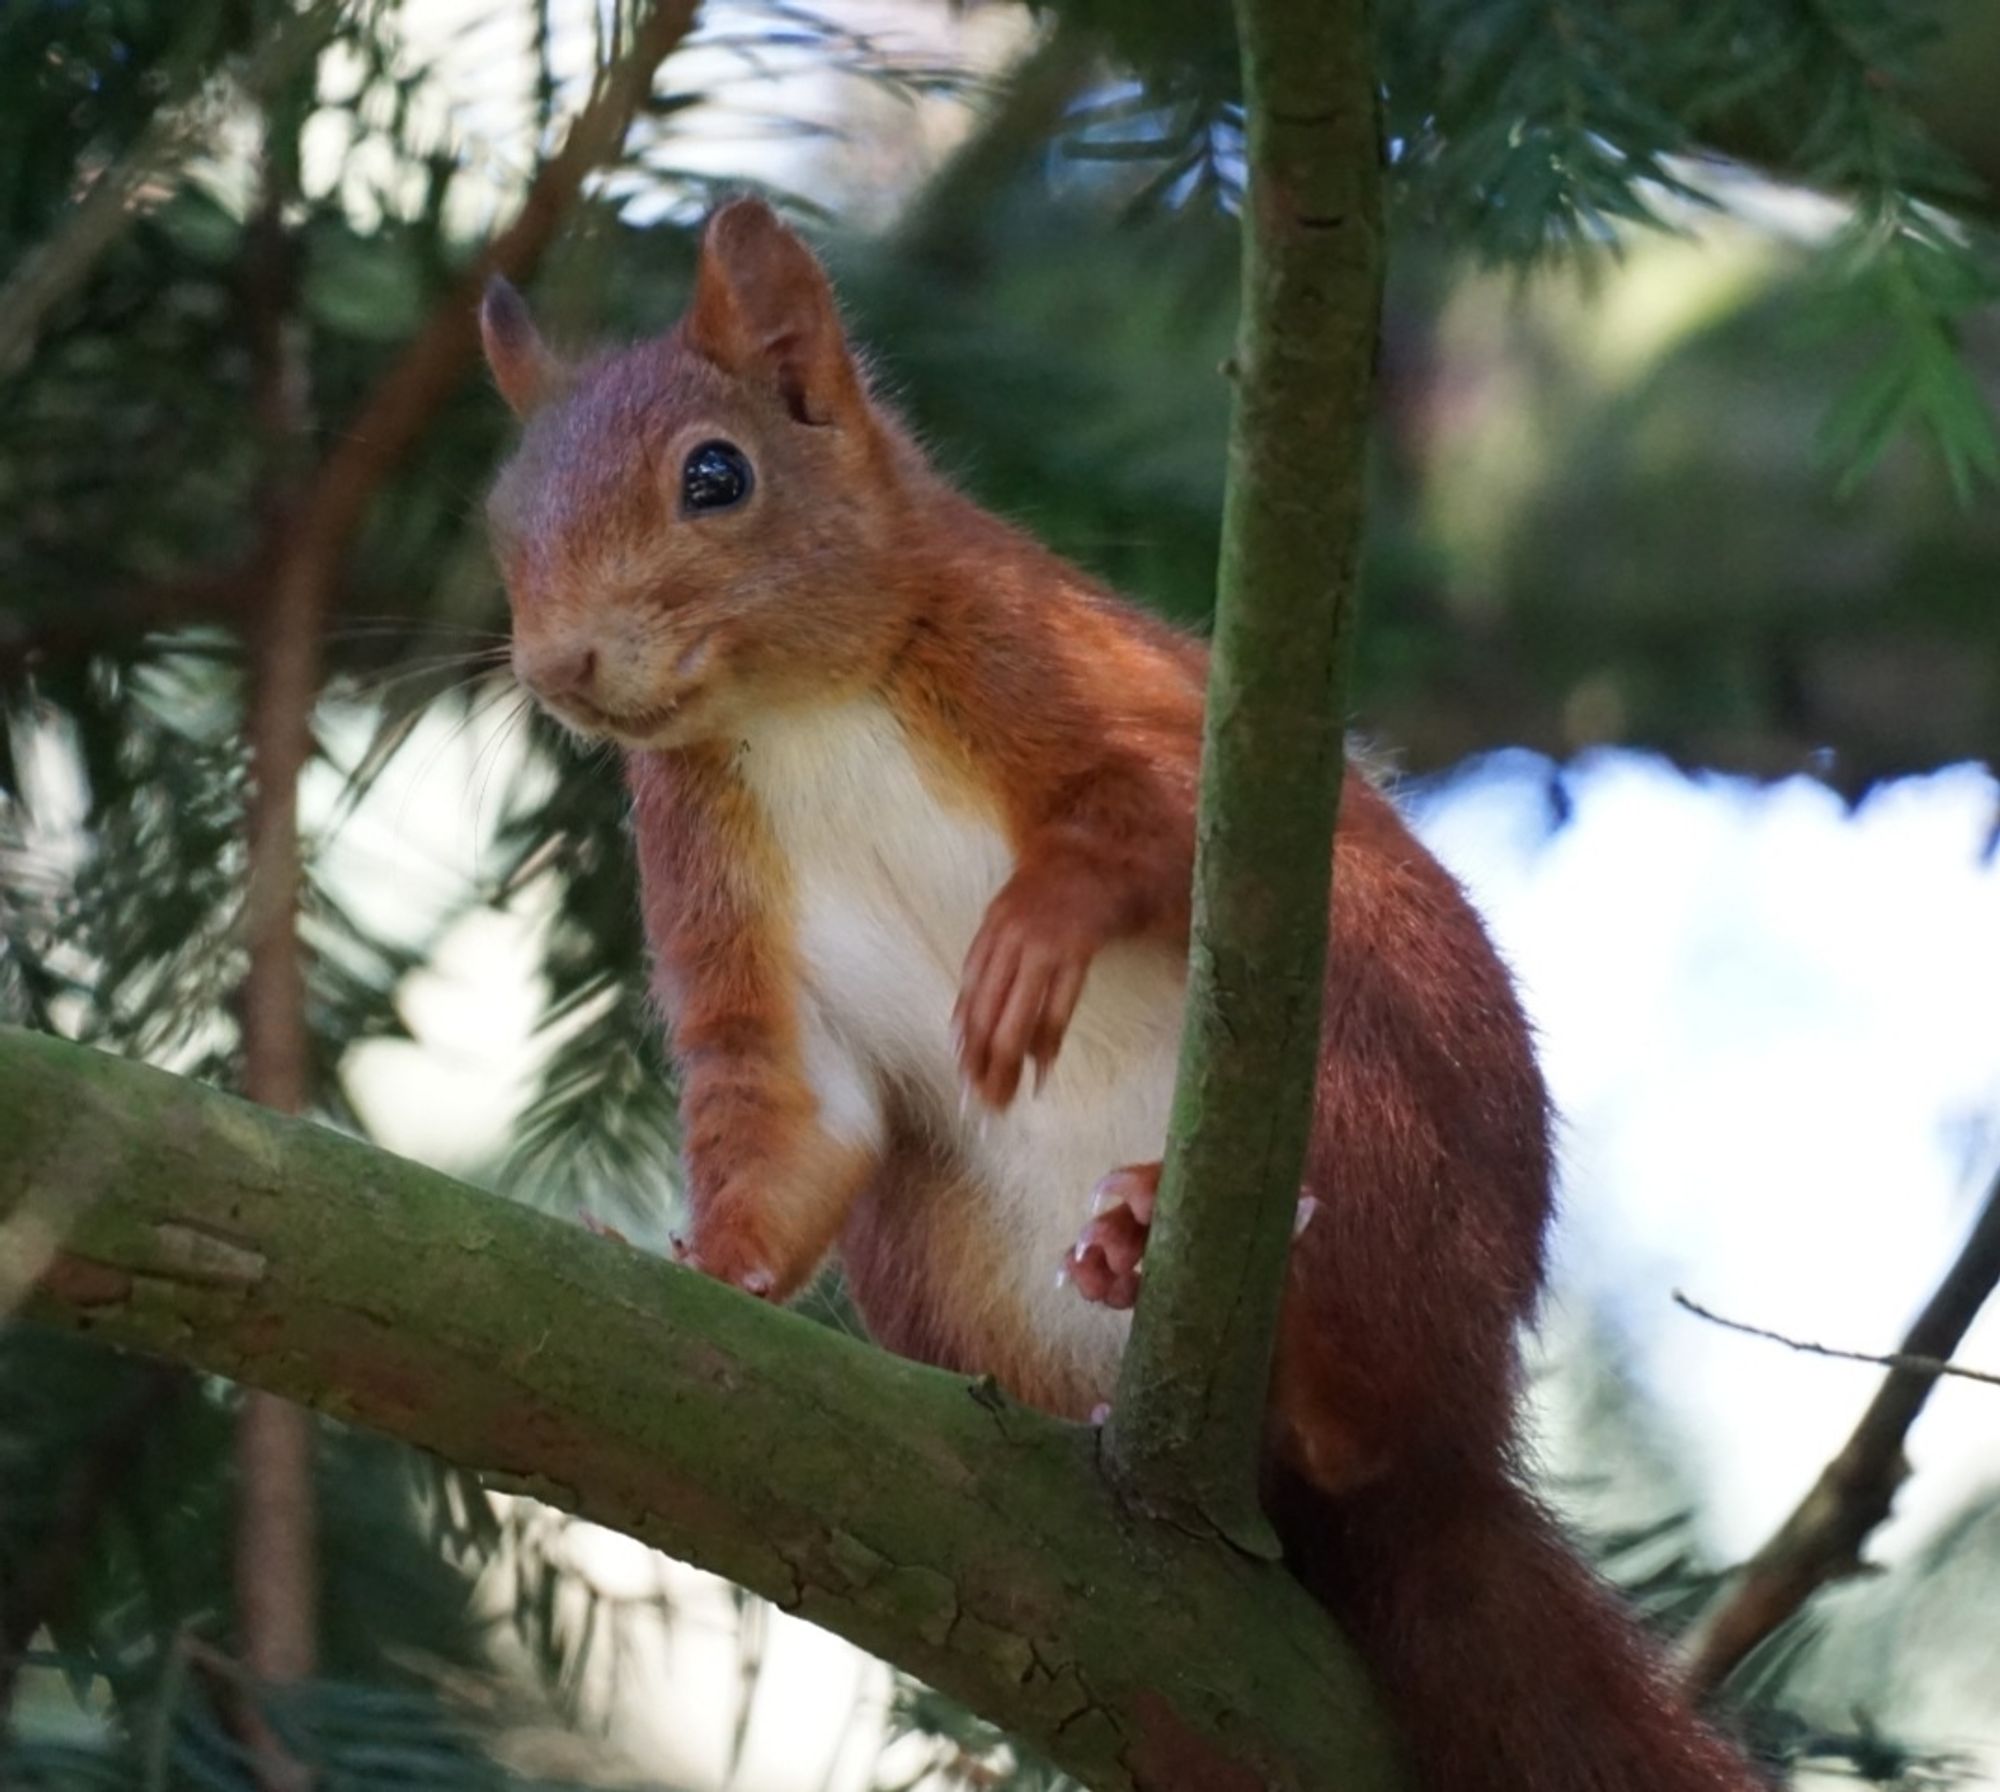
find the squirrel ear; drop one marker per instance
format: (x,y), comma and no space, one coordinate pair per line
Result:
(523,368)
(763,310)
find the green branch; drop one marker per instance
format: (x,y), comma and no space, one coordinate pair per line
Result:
(1187,1423)
(926,1517)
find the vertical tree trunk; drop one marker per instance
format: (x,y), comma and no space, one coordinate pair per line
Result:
(1187,1424)
(276,1559)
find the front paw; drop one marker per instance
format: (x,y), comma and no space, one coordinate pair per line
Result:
(729,1254)
(1023,978)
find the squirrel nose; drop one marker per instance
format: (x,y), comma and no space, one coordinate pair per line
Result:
(560,671)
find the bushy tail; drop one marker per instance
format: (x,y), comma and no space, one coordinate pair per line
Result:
(1505,1665)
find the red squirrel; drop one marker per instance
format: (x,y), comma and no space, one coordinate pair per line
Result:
(913,802)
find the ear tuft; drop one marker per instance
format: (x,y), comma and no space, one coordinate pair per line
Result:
(764,310)
(523,368)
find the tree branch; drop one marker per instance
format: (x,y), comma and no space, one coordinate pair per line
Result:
(926,1517)
(405,399)
(1895,1359)
(1187,1423)
(1821,1540)
(298,569)
(119,196)
(276,1570)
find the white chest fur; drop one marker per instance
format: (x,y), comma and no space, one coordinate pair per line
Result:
(890,882)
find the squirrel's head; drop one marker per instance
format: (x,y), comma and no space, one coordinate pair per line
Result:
(699,528)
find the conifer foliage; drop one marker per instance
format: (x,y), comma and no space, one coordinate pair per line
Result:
(1058,357)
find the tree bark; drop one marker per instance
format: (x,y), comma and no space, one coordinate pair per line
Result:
(926,1517)
(1186,1427)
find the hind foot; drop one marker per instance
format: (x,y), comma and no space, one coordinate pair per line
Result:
(1107,1262)
(1104,1264)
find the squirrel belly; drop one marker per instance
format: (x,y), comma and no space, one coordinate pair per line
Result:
(885,867)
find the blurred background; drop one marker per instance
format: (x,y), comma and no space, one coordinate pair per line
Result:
(1681,636)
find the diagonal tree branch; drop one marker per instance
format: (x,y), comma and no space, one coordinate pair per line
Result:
(1187,1423)
(424,375)
(1821,1541)
(126,190)
(926,1517)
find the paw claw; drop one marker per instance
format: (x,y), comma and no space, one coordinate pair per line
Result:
(1106,1265)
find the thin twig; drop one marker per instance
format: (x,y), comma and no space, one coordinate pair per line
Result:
(408,396)
(1894,1359)
(1821,1541)
(276,1579)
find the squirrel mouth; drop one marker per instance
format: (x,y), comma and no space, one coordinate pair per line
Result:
(629,725)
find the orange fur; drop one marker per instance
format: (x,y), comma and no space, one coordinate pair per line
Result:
(1027,696)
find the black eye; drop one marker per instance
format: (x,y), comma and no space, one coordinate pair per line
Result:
(716,476)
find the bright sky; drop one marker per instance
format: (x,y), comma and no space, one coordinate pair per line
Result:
(1771,1029)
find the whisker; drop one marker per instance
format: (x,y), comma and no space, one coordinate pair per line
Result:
(476,665)
(504,733)
(473,711)
(361,777)
(415,635)
(412,627)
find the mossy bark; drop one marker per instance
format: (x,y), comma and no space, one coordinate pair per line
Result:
(1185,1429)
(927,1517)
